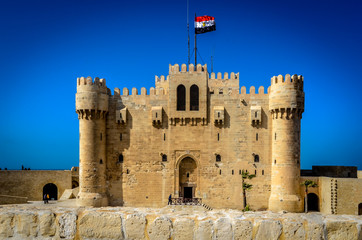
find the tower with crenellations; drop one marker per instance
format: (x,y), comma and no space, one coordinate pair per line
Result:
(192,136)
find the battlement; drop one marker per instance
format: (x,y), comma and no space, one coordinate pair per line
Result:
(295,79)
(176,68)
(225,76)
(90,85)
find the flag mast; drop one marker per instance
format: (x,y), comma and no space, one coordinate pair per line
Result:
(188,33)
(195,47)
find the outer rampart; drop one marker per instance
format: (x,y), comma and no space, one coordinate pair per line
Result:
(30,184)
(171,223)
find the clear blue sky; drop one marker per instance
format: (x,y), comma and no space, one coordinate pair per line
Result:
(45,45)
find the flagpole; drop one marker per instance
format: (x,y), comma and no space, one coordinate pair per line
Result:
(195,46)
(188,34)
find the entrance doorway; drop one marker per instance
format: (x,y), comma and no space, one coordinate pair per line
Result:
(187,192)
(313,202)
(187,177)
(52,190)
(360,209)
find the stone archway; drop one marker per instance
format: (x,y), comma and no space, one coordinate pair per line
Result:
(313,202)
(188,176)
(52,190)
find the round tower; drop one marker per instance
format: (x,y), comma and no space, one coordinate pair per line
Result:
(92,108)
(286,105)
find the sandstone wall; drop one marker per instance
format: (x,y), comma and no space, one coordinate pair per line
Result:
(30,183)
(172,223)
(6,199)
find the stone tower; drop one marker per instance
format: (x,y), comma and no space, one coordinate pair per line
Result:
(286,104)
(92,108)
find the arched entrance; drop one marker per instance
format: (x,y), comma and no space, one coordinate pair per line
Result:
(75,184)
(313,202)
(52,190)
(360,209)
(188,177)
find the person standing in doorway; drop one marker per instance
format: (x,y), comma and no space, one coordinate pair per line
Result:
(169,200)
(45,199)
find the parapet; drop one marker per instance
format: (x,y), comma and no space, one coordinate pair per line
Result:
(295,80)
(225,76)
(88,85)
(192,69)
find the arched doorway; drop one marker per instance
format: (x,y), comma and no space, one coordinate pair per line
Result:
(360,209)
(75,184)
(52,190)
(313,202)
(188,177)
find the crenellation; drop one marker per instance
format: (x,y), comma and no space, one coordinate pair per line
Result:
(143,91)
(125,92)
(117,92)
(261,90)
(252,90)
(134,91)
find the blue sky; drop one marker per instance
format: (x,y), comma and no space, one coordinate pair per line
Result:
(46,45)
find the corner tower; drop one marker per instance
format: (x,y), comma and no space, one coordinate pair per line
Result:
(92,108)
(286,105)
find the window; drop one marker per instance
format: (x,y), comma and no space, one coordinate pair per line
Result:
(187,175)
(257,137)
(120,137)
(256,114)
(101,161)
(218,158)
(255,172)
(164,137)
(262,172)
(275,161)
(156,114)
(127,171)
(164,158)
(239,172)
(194,98)
(256,158)
(181,98)
(218,114)
(220,172)
(232,172)
(101,136)
(275,136)
(218,136)
(120,158)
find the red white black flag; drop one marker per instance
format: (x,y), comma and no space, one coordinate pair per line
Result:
(204,24)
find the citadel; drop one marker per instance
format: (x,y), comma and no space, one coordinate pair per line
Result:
(191,136)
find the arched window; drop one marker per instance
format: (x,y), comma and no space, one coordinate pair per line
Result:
(120,158)
(218,158)
(181,98)
(256,158)
(164,158)
(194,98)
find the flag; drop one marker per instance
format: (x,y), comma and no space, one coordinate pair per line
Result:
(204,24)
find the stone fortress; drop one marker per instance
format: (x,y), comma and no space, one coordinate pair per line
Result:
(192,136)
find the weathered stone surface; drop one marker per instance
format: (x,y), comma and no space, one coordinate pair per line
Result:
(268,230)
(6,229)
(26,224)
(47,224)
(223,229)
(314,226)
(100,225)
(160,228)
(243,229)
(337,230)
(183,229)
(67,225)
(293,229)
(204,230)
(135,225)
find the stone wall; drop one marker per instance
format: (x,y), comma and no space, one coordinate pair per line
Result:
(6,199)
(30,183)
(172,223)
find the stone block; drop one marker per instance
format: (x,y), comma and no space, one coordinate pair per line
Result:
(340,229)
(243,229)
(100,225)
(26,224)
(67,224)
(160,228)
(223,229)
(47,223)
(204,230)
(314,227)
(268,230)
(293,229)
(135,225)
(183,229)
(6,229)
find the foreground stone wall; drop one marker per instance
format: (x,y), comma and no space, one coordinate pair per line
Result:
(171,223)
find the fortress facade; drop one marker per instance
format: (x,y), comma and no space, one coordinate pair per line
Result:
(191,136)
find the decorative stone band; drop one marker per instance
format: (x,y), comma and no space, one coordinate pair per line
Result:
(91,114)
(286,113)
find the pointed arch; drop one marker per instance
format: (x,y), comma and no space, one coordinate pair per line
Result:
(181,98)
(194,98)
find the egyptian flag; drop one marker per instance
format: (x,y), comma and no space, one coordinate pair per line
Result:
(204,24)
